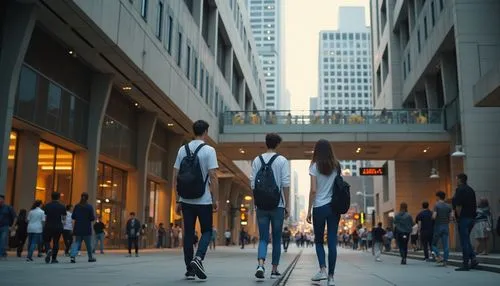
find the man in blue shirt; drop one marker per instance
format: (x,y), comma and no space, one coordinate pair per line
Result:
(425,226)
(7,217)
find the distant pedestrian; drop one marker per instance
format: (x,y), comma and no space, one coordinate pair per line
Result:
(403,223)
(133,232)
(99,228)
(425,228)
(83,216)
(227,236)
(55,214)
(442,216)
(243,237)
(36,219)
(21,231)
(195,239)
(7,218)
(378,241)
(464,204)
(323,170)
(162,233)
(483,226)
(68,230)
(286,238)
(213,240)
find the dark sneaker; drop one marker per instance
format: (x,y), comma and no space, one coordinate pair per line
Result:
(260,272)
(47,257)
(129,255)
(29,259)
(189,275)
(73,260)
(92,260)
(474,264)
(198,269)
(137,255)
(54,261)
(275,275)
(463,268)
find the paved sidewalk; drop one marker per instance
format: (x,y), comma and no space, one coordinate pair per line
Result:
(356,268)
(225,266)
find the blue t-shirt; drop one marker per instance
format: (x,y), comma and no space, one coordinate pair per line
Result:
(425,219)
(83,215)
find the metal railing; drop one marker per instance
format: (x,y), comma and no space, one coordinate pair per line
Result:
(335,117)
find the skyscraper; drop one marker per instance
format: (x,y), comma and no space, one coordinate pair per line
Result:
(267,27)
(345,68)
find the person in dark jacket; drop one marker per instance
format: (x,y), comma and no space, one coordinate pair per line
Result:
(425,227)
(83,216)
(7,217)
(21,231)
(133,232)
(403,223)
(55,214)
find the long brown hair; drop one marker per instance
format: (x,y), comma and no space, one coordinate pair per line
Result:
(324,158)
(84,198)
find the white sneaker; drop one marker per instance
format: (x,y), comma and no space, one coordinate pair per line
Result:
(378,260)
(331,282)
(319,276)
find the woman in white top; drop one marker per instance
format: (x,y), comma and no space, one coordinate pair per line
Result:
(36,219)
(323,171)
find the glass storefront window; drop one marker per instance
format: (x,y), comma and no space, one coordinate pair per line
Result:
(55,173)
(11,167)
(110,201)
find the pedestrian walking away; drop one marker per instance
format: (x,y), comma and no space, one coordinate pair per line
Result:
(55,214)
(270,182)
(7,218)
(378,241)
(213,241)
(83,216)
(403,224)
(425,229)
(196,183)
(68,230)
(133,231)
(323,170)
(442,216)
(286,236)
(36,219)
(21,226)
(464,205)
(99,233)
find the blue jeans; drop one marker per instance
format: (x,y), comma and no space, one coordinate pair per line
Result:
(324,216)
(34,239)
(275,218)
(4,235)
(77,245)
(465,225)
(190,213)
(99,237)
(441,232)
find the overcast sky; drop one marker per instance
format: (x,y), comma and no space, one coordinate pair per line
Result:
(304,19)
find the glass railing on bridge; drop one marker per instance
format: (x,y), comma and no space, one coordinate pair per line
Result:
(360,120)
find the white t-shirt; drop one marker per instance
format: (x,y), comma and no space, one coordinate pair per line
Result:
(281,171)
(36,217)
(208,161)
(68,222)
(227,234)
(323,186)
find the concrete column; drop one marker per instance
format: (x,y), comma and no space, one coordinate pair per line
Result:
(431,93)
(449,77)
(138,178)
(17,28)
(26,169)
(173,145)
(223,214)
(198,12)
(241,93)
(411,14)
(228,67)
(86,162)
(233,222)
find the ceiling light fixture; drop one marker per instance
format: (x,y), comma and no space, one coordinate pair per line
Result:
(136,104)
(458,151)
(170,125)
(434,174)
(127,88)
(242,151)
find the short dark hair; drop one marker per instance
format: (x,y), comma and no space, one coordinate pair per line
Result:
(273,140)
(55,196)
(425,205)
(132,213)
(379,224)
(200,127)
(462,177)
(68,207)
(441,195)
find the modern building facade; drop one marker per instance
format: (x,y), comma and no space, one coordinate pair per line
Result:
(344,66)
(97,97)
(438,54)
(266,18)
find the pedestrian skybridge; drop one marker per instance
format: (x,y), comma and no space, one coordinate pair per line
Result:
(398,134)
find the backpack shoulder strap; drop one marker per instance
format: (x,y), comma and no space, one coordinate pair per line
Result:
(262,160)
(272,159)
(188,152)
(198,149)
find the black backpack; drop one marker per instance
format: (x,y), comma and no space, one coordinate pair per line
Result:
(190,181)
(341,195)
(266,193)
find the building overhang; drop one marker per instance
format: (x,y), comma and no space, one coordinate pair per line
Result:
(487,89)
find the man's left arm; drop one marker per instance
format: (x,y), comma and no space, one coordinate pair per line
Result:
(285,182)
(213,165)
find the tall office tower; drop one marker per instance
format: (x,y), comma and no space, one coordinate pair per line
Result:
(267,28)
(345,69)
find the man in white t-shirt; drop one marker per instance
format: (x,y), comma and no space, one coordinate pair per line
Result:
(275,217)
(200,208)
